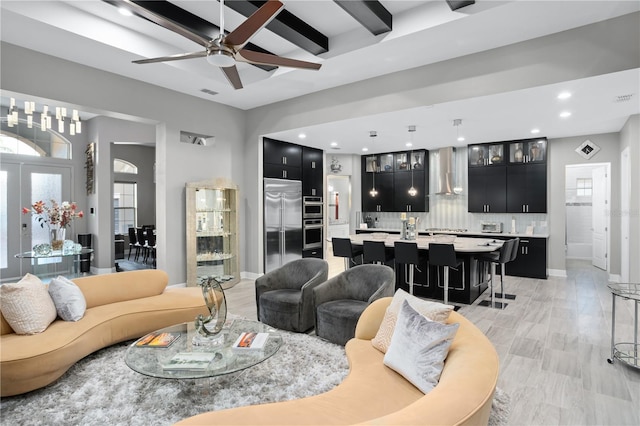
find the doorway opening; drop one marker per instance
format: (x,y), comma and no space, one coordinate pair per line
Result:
(587,205)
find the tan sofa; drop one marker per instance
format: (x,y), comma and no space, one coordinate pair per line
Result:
(374,394)
(120,306)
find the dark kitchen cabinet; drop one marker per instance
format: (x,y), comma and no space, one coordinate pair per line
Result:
(382,199)
(531,259)
(312,172)
(402,201)
(528,151)
(487,189)
(527,188)
(486,154)
(282,160)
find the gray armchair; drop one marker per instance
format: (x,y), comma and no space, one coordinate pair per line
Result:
(284,296)
(340,301)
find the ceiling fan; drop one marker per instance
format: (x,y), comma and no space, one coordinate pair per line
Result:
(225,50)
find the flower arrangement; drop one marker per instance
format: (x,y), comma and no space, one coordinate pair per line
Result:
(56,214)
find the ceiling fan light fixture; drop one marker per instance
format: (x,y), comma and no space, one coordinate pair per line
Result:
(221,58)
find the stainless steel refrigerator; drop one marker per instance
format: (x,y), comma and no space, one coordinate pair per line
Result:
(282,222)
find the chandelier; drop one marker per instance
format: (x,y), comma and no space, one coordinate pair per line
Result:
(46,117)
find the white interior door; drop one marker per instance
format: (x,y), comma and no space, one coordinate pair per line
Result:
(600,205)
(625,204)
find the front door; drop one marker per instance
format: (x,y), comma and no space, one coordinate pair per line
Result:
(20,186)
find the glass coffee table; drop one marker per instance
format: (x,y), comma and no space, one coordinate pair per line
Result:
(152,361)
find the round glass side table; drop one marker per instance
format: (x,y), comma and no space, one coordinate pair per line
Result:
(627,352)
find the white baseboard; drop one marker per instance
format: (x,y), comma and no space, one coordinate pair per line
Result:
(249,275)
(557,273)
(100,271)
(615,278)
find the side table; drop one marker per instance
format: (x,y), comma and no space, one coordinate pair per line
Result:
(625,351)
(40,263)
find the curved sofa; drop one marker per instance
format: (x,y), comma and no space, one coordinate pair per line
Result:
(120,306)
(374,394)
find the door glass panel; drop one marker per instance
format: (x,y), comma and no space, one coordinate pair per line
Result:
(45,187)
(3,219)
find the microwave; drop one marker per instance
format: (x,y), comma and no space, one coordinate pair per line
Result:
(312,207)
(492,227)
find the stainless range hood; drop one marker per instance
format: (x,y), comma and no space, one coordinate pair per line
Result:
(446,171)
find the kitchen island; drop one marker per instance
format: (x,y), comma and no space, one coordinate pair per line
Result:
(465,284)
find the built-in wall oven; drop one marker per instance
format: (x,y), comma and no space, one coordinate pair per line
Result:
(312,207)
(312,231)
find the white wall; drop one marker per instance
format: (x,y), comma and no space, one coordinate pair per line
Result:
(630,137)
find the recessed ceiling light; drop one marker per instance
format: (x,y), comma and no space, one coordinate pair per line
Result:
(408,144)
(334,143)
(365,149)
(460,138)
(535,131)
(564,95)
(124,11)
(565,114)
(302,136)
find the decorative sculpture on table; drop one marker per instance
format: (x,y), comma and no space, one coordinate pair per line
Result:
(209,329)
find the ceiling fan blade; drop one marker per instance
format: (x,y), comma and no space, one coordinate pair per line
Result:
(254,23)
(164,22)
(177,57)
(232,75)
(259,58)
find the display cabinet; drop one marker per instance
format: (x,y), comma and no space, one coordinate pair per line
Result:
(212,232)
(486,154)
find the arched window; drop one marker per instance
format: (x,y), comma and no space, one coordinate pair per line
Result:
(122,166)
(33,141)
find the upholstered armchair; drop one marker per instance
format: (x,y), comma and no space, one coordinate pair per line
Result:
(284,296)
(340,301)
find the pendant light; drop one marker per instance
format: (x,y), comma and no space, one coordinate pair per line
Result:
(412,191)
(373,192)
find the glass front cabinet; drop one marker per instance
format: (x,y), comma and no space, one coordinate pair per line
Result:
(212,232)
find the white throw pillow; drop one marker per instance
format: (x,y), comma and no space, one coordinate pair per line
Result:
(27,306)
(433,310)
(419,347)
(68,299)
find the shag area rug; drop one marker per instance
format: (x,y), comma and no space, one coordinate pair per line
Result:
(102,390)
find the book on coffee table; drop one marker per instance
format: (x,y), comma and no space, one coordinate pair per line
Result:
(250,341)
(190,361)
(158,340)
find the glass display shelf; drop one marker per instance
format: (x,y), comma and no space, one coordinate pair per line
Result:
(626,352)
(529,151)
(212,234)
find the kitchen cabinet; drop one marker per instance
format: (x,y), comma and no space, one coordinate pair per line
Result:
(317,253)
(528,151)
(486,154)
(382,200)
(282,160)
(312,172)
(527,188)
(531,260)
(487,189)
(212,231)
(392,174)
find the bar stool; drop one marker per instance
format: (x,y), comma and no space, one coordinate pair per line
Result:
(342,247)
(408,255)
(445,255)
(376,252)
(501,257)
(514,254)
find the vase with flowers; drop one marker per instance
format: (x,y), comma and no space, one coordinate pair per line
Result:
(56,216)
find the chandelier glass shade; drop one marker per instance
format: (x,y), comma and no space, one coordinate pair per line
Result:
(46,119)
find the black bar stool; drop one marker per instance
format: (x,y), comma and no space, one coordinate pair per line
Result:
(514,254)
(445,255)
(342,247)
(408,255)
(376,252)
(501,257)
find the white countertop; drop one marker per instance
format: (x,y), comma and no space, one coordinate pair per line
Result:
(478,233)
(460,244)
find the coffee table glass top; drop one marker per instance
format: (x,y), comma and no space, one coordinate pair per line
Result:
(150,360)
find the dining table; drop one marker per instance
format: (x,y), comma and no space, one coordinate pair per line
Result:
(466,284)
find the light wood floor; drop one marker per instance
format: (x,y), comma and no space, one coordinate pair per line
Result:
(553,341)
